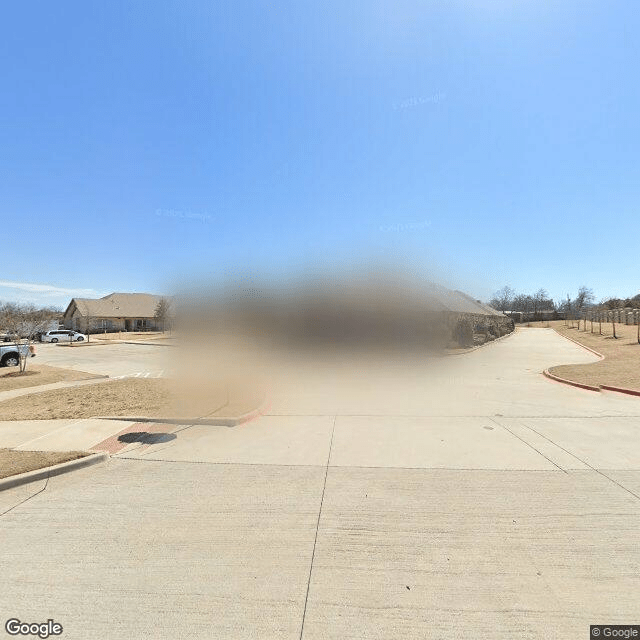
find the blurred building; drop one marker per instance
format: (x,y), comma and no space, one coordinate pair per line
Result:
(115,312)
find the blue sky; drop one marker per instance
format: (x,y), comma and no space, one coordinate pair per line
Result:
(493,141)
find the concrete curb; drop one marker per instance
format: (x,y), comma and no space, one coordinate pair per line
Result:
(50,472)
(597,353)
(220,421)
(84,343)
(147,344)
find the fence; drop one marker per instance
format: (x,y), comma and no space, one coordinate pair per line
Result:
(619,316)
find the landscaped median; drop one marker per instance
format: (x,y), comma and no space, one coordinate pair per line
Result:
(135,399)
(619,366)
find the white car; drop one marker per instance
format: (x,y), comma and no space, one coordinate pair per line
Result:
(63,335)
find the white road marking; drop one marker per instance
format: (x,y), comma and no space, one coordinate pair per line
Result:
(140,374)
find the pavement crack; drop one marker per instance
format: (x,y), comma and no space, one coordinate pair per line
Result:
(315,540)
(33,495)
(604,475)
(515,435)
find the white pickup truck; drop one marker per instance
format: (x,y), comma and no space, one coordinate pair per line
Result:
(10,353)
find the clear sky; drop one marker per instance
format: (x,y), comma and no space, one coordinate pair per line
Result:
(496,141)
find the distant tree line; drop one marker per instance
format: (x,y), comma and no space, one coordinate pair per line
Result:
(540,303)
(26,320)
(619,303)
(507,299)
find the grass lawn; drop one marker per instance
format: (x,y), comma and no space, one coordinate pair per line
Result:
(129,397)
(621,364)
(38,374)
(143,336)
(13,462)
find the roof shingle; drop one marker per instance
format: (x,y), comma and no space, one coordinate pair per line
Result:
(119,305)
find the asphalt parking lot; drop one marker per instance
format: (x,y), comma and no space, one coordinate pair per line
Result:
(483,501)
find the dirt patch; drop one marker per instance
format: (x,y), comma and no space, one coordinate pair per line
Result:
(621,364)
(130,397)
(13,462)
(38,374)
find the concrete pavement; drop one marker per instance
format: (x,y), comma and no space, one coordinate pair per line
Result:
(57,435)
(479,500)
(113,360)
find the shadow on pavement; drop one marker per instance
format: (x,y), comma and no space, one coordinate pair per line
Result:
(145,437)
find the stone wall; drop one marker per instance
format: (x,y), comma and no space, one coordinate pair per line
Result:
(468,330)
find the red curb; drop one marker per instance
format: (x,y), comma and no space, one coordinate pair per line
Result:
(631,392)
(551,376)
(588,387)
(256,413)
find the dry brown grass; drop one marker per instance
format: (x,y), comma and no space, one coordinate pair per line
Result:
(621,364)
(13,462)
(38,374)
(130,397)
(81,345)
(130,336)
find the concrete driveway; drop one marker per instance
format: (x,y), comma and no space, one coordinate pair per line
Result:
(481,501)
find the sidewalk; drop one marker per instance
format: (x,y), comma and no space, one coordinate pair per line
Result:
(58,435)
(16,393)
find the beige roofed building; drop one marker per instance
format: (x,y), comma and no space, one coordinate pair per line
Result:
(115,312)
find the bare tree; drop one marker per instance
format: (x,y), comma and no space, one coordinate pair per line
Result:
(584,299)
(520,302)
(578,306)
(600,320)
(538,299)
(568,307)
(25,321)
(162,311)
(503,299)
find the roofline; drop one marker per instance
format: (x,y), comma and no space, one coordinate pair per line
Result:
(69,306)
